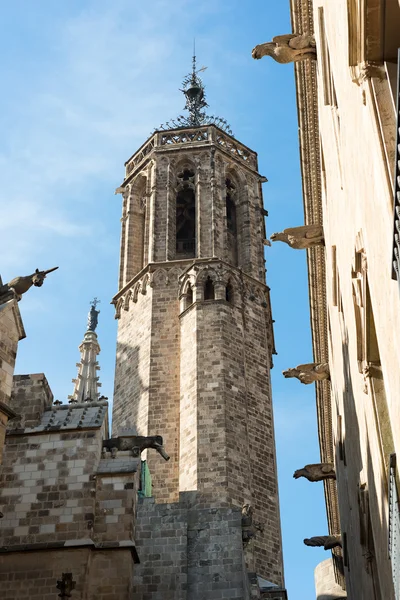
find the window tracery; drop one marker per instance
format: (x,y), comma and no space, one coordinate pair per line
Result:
(186,215)
(231,220)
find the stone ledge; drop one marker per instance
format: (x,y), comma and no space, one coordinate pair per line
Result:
(6,410)
(73,545)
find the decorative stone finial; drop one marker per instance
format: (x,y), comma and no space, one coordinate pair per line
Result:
(309,372)
(20,285)
(328,542)
(316,472)
(302,237)
(291,47)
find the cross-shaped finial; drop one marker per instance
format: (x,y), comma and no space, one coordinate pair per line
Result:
(95,302)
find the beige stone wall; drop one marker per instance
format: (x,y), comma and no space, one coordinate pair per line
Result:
(188,434)
(11,331)
(98,574)
(64,500)
(132,370)
(325,584)
(30,398)
(356,119)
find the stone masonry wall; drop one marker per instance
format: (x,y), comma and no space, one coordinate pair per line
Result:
(325,584)
(188,472)
(132,368)
(147,376)
(261,438)
(31,397)
(164,383)
(11,331)
(189,553)
(99,574)
(226,401)
(59,491)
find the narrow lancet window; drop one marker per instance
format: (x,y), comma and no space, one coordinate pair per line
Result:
(188,296)
(186,216)
(231,223)
(229,293)
(209,293)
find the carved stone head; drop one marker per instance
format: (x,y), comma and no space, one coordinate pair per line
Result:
(38,278)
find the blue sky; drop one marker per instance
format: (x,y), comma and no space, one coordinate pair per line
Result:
(84,84)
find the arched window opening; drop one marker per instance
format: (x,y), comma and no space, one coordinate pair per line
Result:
(229,293)
(135,237)
(230,207)
(186,215)
(231,221)
(188,296)
(209,293)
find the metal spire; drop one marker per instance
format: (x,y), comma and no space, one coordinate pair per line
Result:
(86,385)
(193,89)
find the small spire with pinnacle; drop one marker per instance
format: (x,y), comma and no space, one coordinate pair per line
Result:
(86,385)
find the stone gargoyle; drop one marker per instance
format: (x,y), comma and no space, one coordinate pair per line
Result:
(249,526)
(291,47)
(328,542)
(316,472)
(309,372)
(20,285)
(302,237)
(136,443)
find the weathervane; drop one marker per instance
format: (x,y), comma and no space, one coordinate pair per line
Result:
(193,89)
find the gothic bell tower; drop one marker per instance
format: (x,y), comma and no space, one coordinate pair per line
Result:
(195,338)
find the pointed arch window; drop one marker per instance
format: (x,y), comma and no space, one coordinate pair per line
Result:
(188,297)
(134,238)
(229,293)
(186,215)
(209,292)
(231,221)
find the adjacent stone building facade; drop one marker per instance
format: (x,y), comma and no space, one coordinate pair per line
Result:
(11,332)
(347,105)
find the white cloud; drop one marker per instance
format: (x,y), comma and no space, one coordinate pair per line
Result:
(101,94)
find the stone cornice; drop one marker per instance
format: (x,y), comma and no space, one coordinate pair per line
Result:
(188,263)
(307,107)
(6,410)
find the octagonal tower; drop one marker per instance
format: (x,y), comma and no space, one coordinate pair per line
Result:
(195,338)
